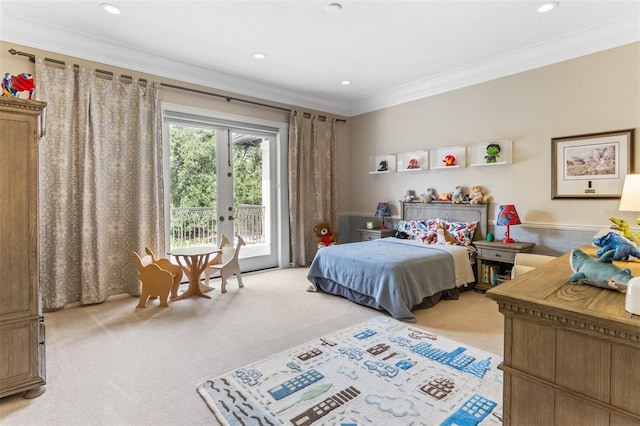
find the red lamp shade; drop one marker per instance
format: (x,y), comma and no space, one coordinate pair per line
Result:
(507,216)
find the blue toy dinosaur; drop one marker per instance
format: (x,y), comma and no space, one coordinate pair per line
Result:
(599,272)
(622,247)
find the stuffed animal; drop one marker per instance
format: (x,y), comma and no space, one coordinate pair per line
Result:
(429,196)
(443,236)
(622,226)
(444,197)
(324,236)
(622,247)
(457,196)
(409,196)
(12,85)
(599,272)
(493,153)
(449,160)
(477,195)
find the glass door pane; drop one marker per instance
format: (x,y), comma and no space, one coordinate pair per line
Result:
(193,186)
(253,196)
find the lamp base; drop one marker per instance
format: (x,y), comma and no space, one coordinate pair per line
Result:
(508,240)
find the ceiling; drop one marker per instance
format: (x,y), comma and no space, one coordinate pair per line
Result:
(392,51)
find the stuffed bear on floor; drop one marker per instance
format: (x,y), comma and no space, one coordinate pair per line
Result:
(324,236)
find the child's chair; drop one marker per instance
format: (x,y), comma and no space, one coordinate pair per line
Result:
(156,281)
(229,268)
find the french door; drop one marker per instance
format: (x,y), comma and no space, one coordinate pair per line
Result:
(224,177)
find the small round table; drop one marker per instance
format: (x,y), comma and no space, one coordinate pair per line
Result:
(195,262)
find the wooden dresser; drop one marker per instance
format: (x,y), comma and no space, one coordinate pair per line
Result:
(22,363)
(571,351)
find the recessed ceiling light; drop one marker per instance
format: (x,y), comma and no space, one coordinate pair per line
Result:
(259,55)
(334,7)
(547,7)
(109,8)
(346,82)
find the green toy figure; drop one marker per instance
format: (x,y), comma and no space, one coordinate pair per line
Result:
(493,153)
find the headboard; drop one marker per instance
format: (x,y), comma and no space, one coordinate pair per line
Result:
(450,211)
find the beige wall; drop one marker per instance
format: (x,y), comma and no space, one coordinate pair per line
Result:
(19,64)
(595,93)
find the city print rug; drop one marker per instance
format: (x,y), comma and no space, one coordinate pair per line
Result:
(380,372)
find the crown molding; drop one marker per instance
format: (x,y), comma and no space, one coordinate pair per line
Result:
(606,36)
(67,43)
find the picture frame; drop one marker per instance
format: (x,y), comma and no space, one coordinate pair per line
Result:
(592,165)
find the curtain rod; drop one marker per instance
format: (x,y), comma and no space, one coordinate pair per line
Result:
(32,58)
(231,98)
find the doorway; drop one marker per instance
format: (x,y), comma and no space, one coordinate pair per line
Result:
(224,177)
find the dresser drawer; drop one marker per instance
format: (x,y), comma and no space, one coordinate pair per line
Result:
(374,234)
(497,255)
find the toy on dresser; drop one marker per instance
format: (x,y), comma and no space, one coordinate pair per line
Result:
(12,86)
(598,272)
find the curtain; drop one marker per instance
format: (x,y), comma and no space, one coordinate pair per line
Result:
(312,182)
(101,189)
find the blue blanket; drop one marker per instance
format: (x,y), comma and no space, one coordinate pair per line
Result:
(398,276)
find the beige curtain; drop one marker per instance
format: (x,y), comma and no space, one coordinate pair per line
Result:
(312,182)
(101,189)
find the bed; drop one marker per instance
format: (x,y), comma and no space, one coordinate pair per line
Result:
(400,275)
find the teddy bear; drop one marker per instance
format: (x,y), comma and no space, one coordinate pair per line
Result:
(457,196)
(477,195)
(429,196)
(324,236)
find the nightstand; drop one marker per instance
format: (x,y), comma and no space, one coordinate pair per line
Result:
(495,259)
(374,234)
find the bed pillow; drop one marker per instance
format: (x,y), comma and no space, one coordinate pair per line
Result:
(418,229)
(462,231)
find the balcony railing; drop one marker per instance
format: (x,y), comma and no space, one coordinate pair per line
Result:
(196,226)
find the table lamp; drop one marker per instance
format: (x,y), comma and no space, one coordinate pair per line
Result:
(383,211)
(507,216)
(630,199)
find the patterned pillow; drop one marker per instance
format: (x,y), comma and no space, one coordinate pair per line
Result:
(418,229)
(462,231)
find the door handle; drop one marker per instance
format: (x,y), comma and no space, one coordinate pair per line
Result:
(231,218)
(221,218)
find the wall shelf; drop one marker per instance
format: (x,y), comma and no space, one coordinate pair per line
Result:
(379,164)
(478,154)
(413,161)
(452,155)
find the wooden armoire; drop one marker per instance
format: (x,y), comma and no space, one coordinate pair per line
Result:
(22,346)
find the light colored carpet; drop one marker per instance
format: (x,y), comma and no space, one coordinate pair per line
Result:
(113,364)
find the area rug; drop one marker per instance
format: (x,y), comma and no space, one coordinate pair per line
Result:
(380,372)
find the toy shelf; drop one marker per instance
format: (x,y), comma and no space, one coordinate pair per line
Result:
(413,161)
(478,153)
(379,164)
(452,157)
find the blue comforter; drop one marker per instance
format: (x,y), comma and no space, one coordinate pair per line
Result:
(397,275)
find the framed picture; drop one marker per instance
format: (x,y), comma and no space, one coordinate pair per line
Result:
(592,165)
